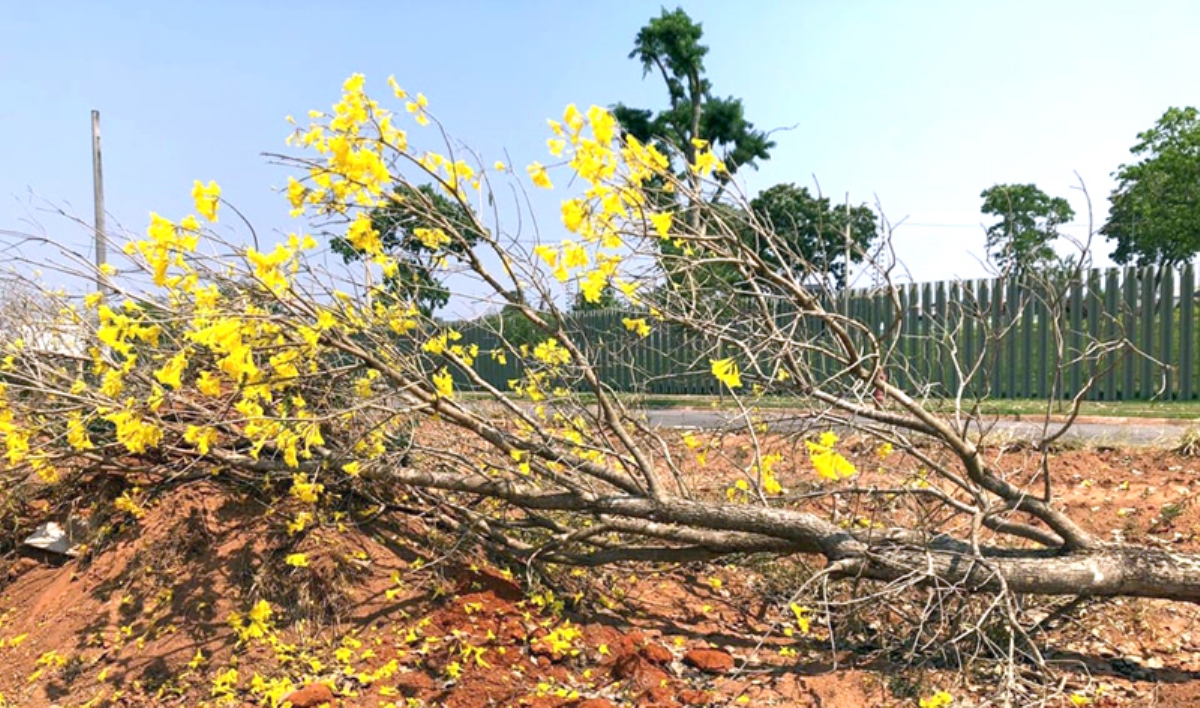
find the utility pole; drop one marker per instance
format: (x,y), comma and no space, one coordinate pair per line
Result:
(98,195)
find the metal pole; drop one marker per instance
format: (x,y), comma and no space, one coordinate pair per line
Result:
(98,194)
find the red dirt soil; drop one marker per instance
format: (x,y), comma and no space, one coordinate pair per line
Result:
(376,619)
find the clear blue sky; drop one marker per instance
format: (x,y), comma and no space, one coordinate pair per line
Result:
(922,104)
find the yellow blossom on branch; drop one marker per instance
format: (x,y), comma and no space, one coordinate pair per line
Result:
(726,371)
(304,490)
(443,383)
(829,463)
(538,174)
(637,325)
(206,198)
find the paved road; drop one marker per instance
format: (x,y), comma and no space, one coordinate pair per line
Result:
(1119,432)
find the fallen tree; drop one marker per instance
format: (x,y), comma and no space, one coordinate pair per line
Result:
(262,367)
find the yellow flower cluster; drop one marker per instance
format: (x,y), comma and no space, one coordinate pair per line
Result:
(165,245)
(828,462)
(726,371)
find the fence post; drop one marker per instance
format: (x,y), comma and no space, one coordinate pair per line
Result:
(1166,316)
(1112,312)
(1147,338)
(995,298)
(1011,306)
(1094,302)
(1129,387)
(1075,338)
(1186,327)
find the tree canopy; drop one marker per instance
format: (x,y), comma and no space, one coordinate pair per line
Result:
(669,45)
(810,230)
(1028,224)
(1155,213)
(408,224)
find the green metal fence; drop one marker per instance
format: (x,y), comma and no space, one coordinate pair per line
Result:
(1004,327)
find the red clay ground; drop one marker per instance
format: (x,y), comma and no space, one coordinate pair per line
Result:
(380,617)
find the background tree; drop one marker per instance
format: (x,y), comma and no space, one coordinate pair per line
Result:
(670,46)
(811,231)
(413,208)
(1155,214)
(1029,219)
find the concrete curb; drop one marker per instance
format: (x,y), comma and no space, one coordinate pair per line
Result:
(1181,423)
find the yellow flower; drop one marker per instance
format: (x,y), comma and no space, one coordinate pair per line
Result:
(206,198)
(296,194)
(77,434)
(133,432)
(171,373)
(305,491)
(827,462)
(127,504)
(592,285)
(802,618)
(538,174)
(499,166)
(443,382)
(603,124)
(201,436)
(706,163)
(573,214)
(941,699)
(296,560)
(573,118)
(726,371)
(549,352)
(638,325)
(363,236)
(301,522)
(884,451)
(661,223)
(399,92)
(418,107)
(433,239)
(208,384)
(267,267)
(352,468)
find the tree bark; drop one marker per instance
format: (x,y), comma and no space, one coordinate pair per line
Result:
(708,529)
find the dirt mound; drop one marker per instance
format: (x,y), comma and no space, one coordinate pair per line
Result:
(211,601)
(198,606)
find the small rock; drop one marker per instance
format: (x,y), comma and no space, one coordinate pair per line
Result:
(414,683)
(657,653)
(21,566)
(639,672)
(694,697)
(311,696)
(657,695)
(711,661)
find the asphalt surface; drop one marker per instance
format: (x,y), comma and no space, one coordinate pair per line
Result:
(1120,432)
